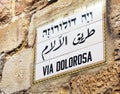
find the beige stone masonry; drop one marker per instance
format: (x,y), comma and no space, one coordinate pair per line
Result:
(17,72)
(13,35)
(18,22)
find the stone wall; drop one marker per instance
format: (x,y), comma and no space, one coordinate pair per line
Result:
(18,20)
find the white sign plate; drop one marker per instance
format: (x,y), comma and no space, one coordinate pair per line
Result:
(71,61)
(70,43)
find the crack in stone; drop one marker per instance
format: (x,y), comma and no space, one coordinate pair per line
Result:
(2,62)
(3,55)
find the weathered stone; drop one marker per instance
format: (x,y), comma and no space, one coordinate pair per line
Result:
(5,11)
(20,5)
(29,1)
(17,72)
(98,82)
(115,18)
(13,35)
(2,62)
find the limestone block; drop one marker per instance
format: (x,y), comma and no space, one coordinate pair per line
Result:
(5,6)
(20,6)
(2,61)
(17,72)
(100,82)
(115,1)
(11,36)
(115,17)
(29,1)
(5,10)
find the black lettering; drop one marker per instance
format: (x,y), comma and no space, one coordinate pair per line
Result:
(65,64)
(75,59)
(47,69)
(44,70)
(89,56)
(58,66)
(84,58)
(79,59)
(51,68)
(70,61)
(62,65)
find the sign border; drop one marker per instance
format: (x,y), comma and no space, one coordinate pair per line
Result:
(81,69)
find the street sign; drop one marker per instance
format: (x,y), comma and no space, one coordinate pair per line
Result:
(70,43)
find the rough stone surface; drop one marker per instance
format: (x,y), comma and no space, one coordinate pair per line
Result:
(106,81)
(13,35)
(18,22)
(20,5)
(17,72)
(117,50)
(5,11)
(114,26)
(114,18)
(2,62)
(52,86)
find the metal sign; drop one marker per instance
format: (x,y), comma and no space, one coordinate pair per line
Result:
(70,43)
